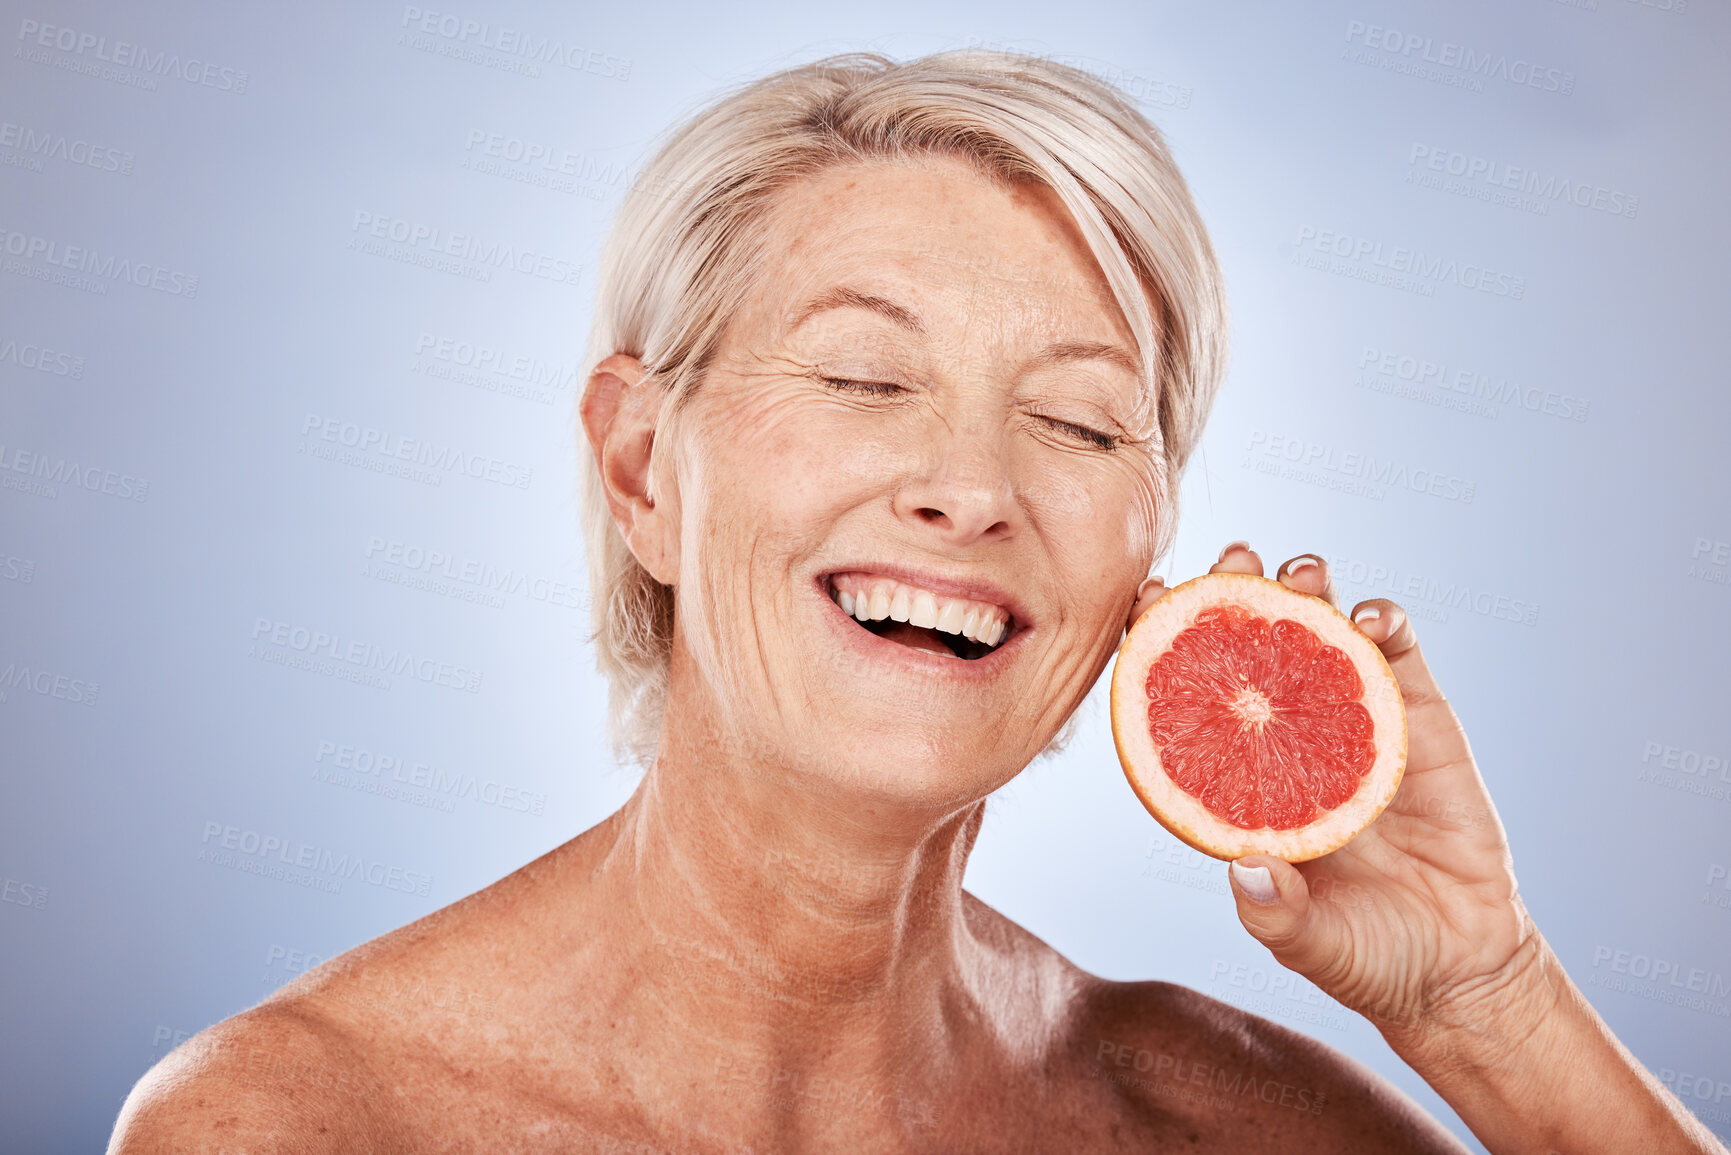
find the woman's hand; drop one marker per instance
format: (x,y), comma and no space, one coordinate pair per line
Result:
(1416,924)
(1419,912)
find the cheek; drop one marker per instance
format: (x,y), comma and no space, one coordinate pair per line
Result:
(784,468)
(1100,515)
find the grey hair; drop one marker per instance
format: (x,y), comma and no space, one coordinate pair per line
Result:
(683,251)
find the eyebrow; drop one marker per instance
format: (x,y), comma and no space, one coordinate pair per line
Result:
(843,297)
(1086,351)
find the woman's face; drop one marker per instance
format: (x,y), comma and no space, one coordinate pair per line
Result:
(930,405)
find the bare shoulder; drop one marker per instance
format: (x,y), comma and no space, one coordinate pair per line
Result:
(334,1060)
(1248,1083)
(1152,1064)
(279,1077)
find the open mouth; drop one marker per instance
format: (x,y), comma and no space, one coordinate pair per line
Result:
(920,619)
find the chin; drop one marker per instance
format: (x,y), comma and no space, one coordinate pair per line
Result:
(907,767)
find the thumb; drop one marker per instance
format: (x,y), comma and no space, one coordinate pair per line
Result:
(1274,906)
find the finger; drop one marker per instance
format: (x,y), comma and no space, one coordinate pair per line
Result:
(1274,906)
(1433,732)
(1308,574)
(1238,557)
(1147,594)
(1388,625)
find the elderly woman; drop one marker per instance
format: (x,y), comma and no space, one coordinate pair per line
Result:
(894,372)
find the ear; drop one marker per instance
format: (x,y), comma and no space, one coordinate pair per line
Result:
(619,409)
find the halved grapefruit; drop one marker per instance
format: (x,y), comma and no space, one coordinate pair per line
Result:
(1253,719)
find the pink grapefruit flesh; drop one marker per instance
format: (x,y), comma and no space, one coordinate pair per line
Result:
(1253,719)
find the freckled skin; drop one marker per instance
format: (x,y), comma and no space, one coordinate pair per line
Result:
(767,948)
(1016,498)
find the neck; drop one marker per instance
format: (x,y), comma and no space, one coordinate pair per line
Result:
(805,900)
(777,904)
(776,929)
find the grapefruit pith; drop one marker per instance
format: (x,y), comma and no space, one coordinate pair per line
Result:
(1253,719)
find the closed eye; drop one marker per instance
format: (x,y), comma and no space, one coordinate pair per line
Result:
(869,388)
(1093,437)
(1082,433)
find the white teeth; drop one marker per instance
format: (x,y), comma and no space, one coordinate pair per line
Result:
(922,608)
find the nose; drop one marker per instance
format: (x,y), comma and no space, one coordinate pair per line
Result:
(963,491)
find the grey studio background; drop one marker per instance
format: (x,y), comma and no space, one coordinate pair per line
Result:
(292,304)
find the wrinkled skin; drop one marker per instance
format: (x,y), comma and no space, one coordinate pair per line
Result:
(768,947)
(971,467)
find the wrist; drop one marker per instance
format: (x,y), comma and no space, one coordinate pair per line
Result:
(1528,1064)
(1496,1029)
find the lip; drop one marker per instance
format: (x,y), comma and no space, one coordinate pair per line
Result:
(943,585)
(928,664)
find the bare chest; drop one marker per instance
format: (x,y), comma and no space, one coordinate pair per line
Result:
(727,1108)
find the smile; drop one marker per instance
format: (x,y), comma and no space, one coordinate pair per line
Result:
(919,618)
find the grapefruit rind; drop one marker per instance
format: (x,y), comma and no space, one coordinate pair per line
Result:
(1180,812)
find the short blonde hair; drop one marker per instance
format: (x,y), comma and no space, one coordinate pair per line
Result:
(683,250)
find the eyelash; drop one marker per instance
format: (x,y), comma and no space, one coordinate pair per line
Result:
(1102,441)
(871,388)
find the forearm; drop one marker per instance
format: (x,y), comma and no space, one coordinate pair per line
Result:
(1530,1066)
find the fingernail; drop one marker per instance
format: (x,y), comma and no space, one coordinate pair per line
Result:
(1230,546)
(1256,882)
(1366,614)
(1299,563)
